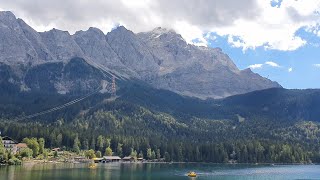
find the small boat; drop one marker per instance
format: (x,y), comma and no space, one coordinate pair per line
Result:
(192,174)
(92,166)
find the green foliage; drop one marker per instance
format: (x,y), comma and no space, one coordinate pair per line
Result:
(133,153)
(90,154)
(108,141)
(33,144)
(247,128)
(2,151)
(119,150)
(26,153)
(100,142)
(59,140)
(167,157)
(108,151)
(14,161)
(153,155)
(158,154)
(98,154)
(41,142)
(149,153)
(55,154)
(76,145)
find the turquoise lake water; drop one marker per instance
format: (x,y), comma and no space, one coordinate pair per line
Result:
(151,171)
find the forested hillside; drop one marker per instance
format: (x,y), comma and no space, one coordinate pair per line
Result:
(275,125)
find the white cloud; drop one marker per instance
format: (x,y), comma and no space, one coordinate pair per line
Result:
(269,63)
(275,27)
(247,24)
(290,69)
(316,65)
(273,64)
(255,66)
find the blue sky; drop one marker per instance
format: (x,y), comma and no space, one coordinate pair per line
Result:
(304,73)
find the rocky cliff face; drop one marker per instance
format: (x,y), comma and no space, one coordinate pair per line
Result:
(74,77)
(160,57)
(132,52)
(198,71)
(95,47)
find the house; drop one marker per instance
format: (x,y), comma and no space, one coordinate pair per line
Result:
(56,149)
(111,158)
(128,159)
(9,144)
(21,146)
(140,159)
(81,159)
(98,160)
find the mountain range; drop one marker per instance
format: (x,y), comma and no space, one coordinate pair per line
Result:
(55,61)
(190,102)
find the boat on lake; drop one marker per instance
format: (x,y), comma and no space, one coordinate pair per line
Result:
(192,174)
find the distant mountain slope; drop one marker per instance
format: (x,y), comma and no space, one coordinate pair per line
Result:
(74,77)
(278,103)
(141,110)
(161,58)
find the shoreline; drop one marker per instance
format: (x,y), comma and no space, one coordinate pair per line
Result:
(146,162)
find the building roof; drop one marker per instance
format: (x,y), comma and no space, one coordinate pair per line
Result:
(22,145)
(111,157)
(128,158)
(7,138)
(80,157)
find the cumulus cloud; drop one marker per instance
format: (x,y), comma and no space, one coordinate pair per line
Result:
(290,69)
(273,64)
(268,63)
(255,66)
(316,65)
(246,23)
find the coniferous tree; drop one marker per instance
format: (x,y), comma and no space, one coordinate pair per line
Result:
(41,142)
(119,150)
(76,145)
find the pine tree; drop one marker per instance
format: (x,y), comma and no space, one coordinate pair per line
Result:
(76,144)
(100,143)
(41,145)
(119,149)
(158,154)
(59,140)
(149,153)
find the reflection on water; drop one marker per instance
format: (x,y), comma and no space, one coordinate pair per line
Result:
(157,171)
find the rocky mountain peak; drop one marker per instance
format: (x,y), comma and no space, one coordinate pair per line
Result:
(94,45)
(160,57)
(162,34)
(160,31)
(92,31)
(7,16)
(61,44)
(133,52)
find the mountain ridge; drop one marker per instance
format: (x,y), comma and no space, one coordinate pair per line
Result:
(160,57)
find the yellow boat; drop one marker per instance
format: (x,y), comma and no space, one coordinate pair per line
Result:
(192,174)
(92,166)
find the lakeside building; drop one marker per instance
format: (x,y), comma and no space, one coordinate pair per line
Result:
(128,159)
(111,158)
(21,146)
(9,144)
(12,145)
